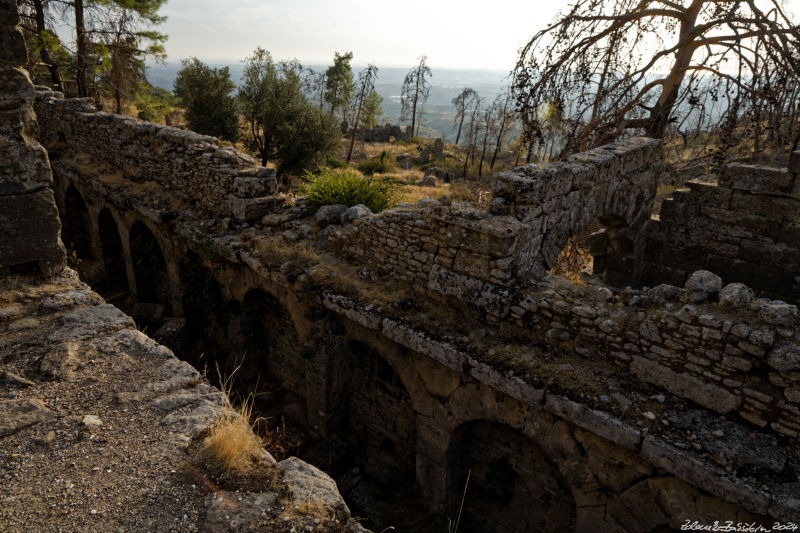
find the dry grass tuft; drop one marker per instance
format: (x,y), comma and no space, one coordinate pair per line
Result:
(230,445)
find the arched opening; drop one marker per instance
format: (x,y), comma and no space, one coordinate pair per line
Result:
(116,277)
(150,271)
(604,248)
(270,366)
(381,436)
(75,226)
(381,423)
(205,314)
(513,485)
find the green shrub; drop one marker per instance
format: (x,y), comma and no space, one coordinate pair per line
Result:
(335,162)
(377,165)
(350,188)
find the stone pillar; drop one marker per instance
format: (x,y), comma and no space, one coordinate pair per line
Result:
(29,223)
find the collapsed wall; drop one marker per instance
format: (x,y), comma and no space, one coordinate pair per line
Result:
(745,228)
(197,168)
(28,216)
(614,184)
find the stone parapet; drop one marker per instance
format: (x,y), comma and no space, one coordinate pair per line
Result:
(196,168)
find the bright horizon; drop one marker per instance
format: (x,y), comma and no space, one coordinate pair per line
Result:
(454,35)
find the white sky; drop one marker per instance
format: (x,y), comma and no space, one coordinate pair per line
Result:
(453,34)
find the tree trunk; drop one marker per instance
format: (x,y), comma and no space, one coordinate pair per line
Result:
(355,127)
(414,105)
(460,124)
(45,55)
(80,32)
(499,139)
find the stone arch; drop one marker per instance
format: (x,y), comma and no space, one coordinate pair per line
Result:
(269,356)
(76,224)
(381,421)
(513,484)
(111,248)
(149,268)
(205,311)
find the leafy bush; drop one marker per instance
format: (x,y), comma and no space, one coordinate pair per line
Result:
(335,162)
(348,187)
(378,165)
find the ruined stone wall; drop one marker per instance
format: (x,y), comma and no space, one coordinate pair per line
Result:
(195,167)
(426,245)
(746,228)
(736,354)
(615,183)
(29,225)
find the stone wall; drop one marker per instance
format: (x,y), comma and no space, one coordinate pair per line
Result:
(194,167)
(615,184)
(722,349)
(746,228)
(29,225)
(435,246)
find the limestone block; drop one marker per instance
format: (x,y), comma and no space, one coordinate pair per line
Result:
(30,231)
(706,394)
(702,285)
(23,168)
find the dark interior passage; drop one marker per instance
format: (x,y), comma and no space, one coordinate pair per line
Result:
(75,225)
(149,267)
(116,277)
(513,486)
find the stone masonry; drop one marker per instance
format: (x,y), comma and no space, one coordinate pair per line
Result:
(28,216)
(596,376)
(745,228)
(197,168)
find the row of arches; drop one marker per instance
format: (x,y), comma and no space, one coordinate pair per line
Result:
(97,249)
(339,388)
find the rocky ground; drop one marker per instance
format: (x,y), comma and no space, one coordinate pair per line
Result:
(95,420)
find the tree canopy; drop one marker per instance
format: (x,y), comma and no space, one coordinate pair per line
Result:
(282,123)
(206,94)
(414,93)
(614,66)
(339,83)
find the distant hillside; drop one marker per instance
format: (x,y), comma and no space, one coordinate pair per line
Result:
(438,113)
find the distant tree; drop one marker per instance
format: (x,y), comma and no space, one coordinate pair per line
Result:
(205,92)
(365,86)
(617,66)
(414,93)
(372,110)
(314,86)
(282,123)
(473,127)
(463,102)
(127,42)
(505,117)
(339,83)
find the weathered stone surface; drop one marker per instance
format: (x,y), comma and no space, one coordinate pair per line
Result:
(706,394)
(354,213)
(785,357)
(735,295)
(329,214)
(307,483)
(18,414)
(31,227)
(703,285)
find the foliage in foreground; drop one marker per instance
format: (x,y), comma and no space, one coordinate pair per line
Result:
(348,187)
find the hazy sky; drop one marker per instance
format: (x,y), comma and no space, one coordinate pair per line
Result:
(456,34)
